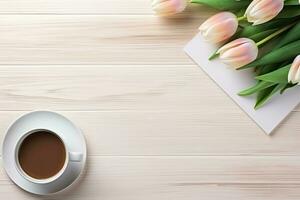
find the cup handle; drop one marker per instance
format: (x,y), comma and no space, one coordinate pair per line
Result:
(75,156)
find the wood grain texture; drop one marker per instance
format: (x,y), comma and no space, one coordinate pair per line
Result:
(106,7)
(181,177)
(161,133)
(94,39)
(75,6)
(156,126)
(108,87)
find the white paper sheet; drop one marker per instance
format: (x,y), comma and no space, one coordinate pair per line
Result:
(232,81)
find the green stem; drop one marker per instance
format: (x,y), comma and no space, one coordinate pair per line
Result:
(273,35)
(241,18)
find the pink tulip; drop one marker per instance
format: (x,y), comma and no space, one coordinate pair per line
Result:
(238,52)
(168,7)
(294,73)
(219,27)
(261,11)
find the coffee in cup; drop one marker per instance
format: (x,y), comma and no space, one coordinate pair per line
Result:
(41,154)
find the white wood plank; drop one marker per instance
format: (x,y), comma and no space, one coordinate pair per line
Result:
(94,39)
(234,178)
(75,6)
(124,133)
(141,87)
(96,191)
(136,7)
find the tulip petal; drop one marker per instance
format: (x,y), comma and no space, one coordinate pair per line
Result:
(232,44)
(221,31)
(261,11)
(268,12)
(156,2)
(168,7)
(291,75)
(219,27)
(250,7)
(297,76)
(235,43)
(241,50)
(238,52)
(179,5)
(294,73)
(164,7)
(216,19)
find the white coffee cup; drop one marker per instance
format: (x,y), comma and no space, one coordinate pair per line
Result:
(69,157)
(71,137)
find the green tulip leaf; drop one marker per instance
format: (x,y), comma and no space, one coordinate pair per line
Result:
(261,95)
(261,35)
(269,68)
(291,2)
(224,4)
(265,69)
(260,85)
(289,12)
(250,30)
(287,86)
(278,76)
(292,35)
(281,54)
(265,95)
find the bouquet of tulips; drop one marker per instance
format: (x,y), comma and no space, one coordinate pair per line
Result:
(259,34)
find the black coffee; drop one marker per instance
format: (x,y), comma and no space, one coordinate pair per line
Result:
(42,155)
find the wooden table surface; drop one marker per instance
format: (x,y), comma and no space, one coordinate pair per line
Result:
(157,127)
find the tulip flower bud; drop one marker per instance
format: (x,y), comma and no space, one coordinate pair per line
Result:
(238,53)
(219,27)
(294,73)
(168,7)
(261,11)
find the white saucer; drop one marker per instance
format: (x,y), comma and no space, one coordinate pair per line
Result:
(64,128)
